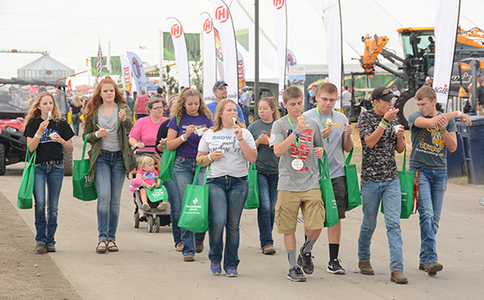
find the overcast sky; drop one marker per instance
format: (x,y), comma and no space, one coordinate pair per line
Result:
(69,30)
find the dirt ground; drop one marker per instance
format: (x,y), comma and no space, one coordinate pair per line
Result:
(23,273)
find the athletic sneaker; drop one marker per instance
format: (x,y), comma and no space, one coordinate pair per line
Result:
(215,268)
(305,261)
(335,268)
(232,273)
(296,274)
(162,206)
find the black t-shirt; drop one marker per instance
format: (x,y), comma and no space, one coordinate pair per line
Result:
(480,95)
(47,149)
(76,109)
(162,133)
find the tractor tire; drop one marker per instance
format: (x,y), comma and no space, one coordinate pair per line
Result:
(3,160)
(67,162)
(406,105)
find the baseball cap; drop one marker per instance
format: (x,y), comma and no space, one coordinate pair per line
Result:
(219,84)
(428,78)
(383,93)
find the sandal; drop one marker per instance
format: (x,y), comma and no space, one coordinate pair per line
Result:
(112,246)
(101,247)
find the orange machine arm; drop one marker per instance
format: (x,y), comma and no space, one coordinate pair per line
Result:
(373,47)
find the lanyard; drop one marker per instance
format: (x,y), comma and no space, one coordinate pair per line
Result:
(324,124)
(297,139)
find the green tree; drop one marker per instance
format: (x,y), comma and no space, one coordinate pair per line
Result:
(197,75)
(170,81)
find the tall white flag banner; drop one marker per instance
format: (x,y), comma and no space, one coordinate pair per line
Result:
(291,59)
(181,54)
(240,70)
(446,22)
(225,27)
(280,17)
(334,44)
(209,57)
(138,71)
(126,73)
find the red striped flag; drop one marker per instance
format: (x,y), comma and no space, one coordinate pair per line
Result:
(99,61)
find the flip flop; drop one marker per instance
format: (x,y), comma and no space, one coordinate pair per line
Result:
(112,246)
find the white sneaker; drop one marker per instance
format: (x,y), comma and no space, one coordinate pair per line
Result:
(146,207)
(162,206)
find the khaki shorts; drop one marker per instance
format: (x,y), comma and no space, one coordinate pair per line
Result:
(287,210)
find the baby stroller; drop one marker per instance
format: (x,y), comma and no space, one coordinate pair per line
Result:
(154,217)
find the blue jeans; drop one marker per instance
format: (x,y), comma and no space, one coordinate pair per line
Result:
(53,176)
(246,112)
(110,175)
(265,213)
(183,173)
(227,199)
(432,185)
(75,123)
(389,193)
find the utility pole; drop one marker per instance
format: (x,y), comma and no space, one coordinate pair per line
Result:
(256,67)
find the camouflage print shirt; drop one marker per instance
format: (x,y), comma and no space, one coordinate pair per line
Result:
(378,163)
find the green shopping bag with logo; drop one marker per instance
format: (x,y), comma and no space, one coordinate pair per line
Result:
(157,194)
(327,193)
(194,211)
(253,195)
(26,189)
(167,163)
(406,188)
(352,186)
(82,189)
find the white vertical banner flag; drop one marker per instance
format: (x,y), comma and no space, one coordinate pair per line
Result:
(126,73)
(209,57)
(181,54)
(138,72)
(291,59)
(280,17)
(446,22)
(225,27)
(334,44)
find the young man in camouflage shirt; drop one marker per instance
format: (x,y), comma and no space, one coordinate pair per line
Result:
(380,136)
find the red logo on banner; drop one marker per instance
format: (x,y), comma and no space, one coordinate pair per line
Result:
(221,14)
(176,31)
(207,26)
(278,4)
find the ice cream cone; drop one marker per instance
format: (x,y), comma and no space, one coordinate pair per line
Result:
(329,123)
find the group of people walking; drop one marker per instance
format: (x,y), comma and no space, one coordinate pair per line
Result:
(285,151)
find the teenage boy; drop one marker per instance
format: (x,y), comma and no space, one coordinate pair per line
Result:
(336,136)
(297,140)
(220,92)
(379,180)
(433,133)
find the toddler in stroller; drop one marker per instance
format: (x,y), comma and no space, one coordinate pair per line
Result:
(149,176)
(150,195)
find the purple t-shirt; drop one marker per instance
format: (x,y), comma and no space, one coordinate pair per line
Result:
(189,148)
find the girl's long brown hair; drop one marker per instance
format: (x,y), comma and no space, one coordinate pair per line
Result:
(180,105)
(271,101)
(34,111)
(217,122)
(96,99)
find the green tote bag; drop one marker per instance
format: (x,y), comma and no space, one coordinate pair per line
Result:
(352,186)
(167,163)
(26,189)
(327,194)
(82,189)
(253,195)
(194,212)
(406,188)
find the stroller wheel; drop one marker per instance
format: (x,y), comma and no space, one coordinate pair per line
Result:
(157,224)
(150,223)
(136,219)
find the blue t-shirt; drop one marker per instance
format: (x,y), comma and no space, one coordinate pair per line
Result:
(213,105)
(428,148)
(189,148)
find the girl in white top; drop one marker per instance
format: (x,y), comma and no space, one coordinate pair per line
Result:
(226,147)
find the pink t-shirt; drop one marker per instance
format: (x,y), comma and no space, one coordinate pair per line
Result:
(141,108)
(148,177)
(144,131)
